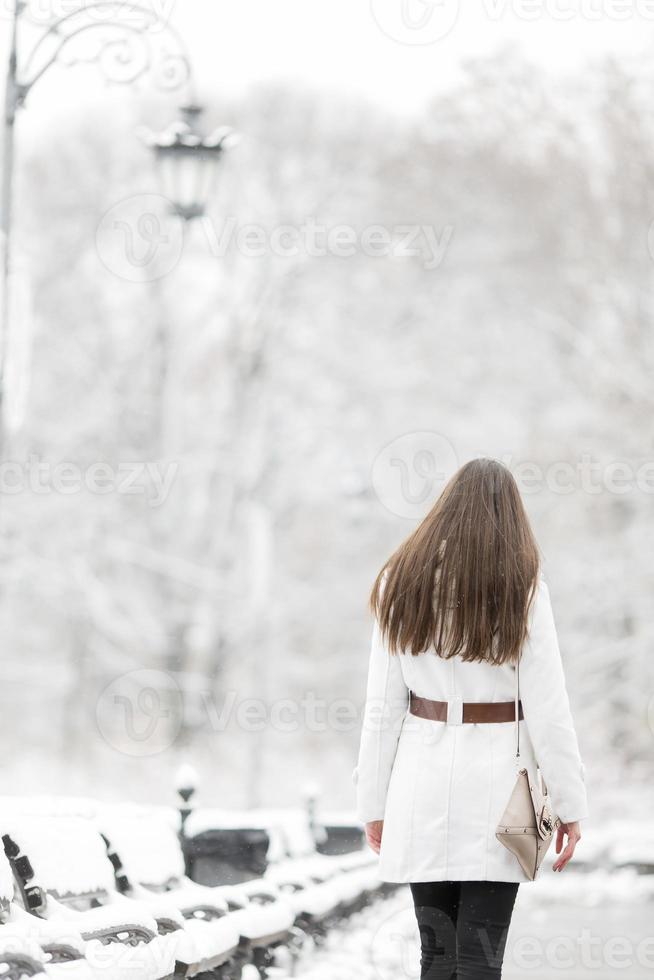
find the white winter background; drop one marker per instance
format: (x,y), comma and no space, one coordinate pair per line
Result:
(269,385)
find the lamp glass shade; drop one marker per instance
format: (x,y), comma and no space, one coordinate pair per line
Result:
(187,175)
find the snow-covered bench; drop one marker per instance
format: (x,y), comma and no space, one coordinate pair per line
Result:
(149,864)
(319,888)
(17,959)
(65,879)
(31,947)
(89,889)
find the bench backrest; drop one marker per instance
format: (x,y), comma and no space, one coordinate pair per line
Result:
(67,854)
(145,840)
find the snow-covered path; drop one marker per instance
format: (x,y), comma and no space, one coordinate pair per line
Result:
(378,943)
(577,937)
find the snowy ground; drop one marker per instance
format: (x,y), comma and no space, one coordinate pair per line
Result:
(549,940)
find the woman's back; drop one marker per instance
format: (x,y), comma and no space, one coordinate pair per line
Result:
(441,788)
(462,615)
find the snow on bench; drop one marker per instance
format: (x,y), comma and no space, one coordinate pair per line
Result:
(30,947)
(318,887)
(61,857)
(150,853)
(110,892)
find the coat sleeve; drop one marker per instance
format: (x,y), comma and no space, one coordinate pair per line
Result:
(547,713)
(387,699)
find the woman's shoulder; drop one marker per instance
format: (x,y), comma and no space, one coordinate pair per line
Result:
(540,605)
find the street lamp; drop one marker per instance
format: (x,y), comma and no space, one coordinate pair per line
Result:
(186,779)
(188,161)
(125,41)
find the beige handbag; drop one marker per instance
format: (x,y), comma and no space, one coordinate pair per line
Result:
(528,824)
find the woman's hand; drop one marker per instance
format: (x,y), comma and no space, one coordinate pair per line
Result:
(573,832)
(374,834)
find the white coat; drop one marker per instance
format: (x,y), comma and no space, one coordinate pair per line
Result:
(441,787)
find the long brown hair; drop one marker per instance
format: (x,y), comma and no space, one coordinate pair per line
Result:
(463,582)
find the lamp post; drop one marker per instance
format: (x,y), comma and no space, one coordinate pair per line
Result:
(187,161)
(128,40)
(186,779)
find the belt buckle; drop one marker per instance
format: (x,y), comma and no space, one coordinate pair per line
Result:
(455,711)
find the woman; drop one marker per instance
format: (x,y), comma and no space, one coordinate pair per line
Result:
(455,607)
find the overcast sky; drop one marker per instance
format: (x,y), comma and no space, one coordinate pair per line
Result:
(397,52)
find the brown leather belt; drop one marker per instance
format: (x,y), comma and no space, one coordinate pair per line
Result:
(468,712)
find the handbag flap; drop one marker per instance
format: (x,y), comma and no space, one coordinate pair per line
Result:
(543,813)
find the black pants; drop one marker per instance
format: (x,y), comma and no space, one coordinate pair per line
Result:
(463,927)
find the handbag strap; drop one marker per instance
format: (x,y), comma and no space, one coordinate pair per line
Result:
(517,710)
(539,775)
